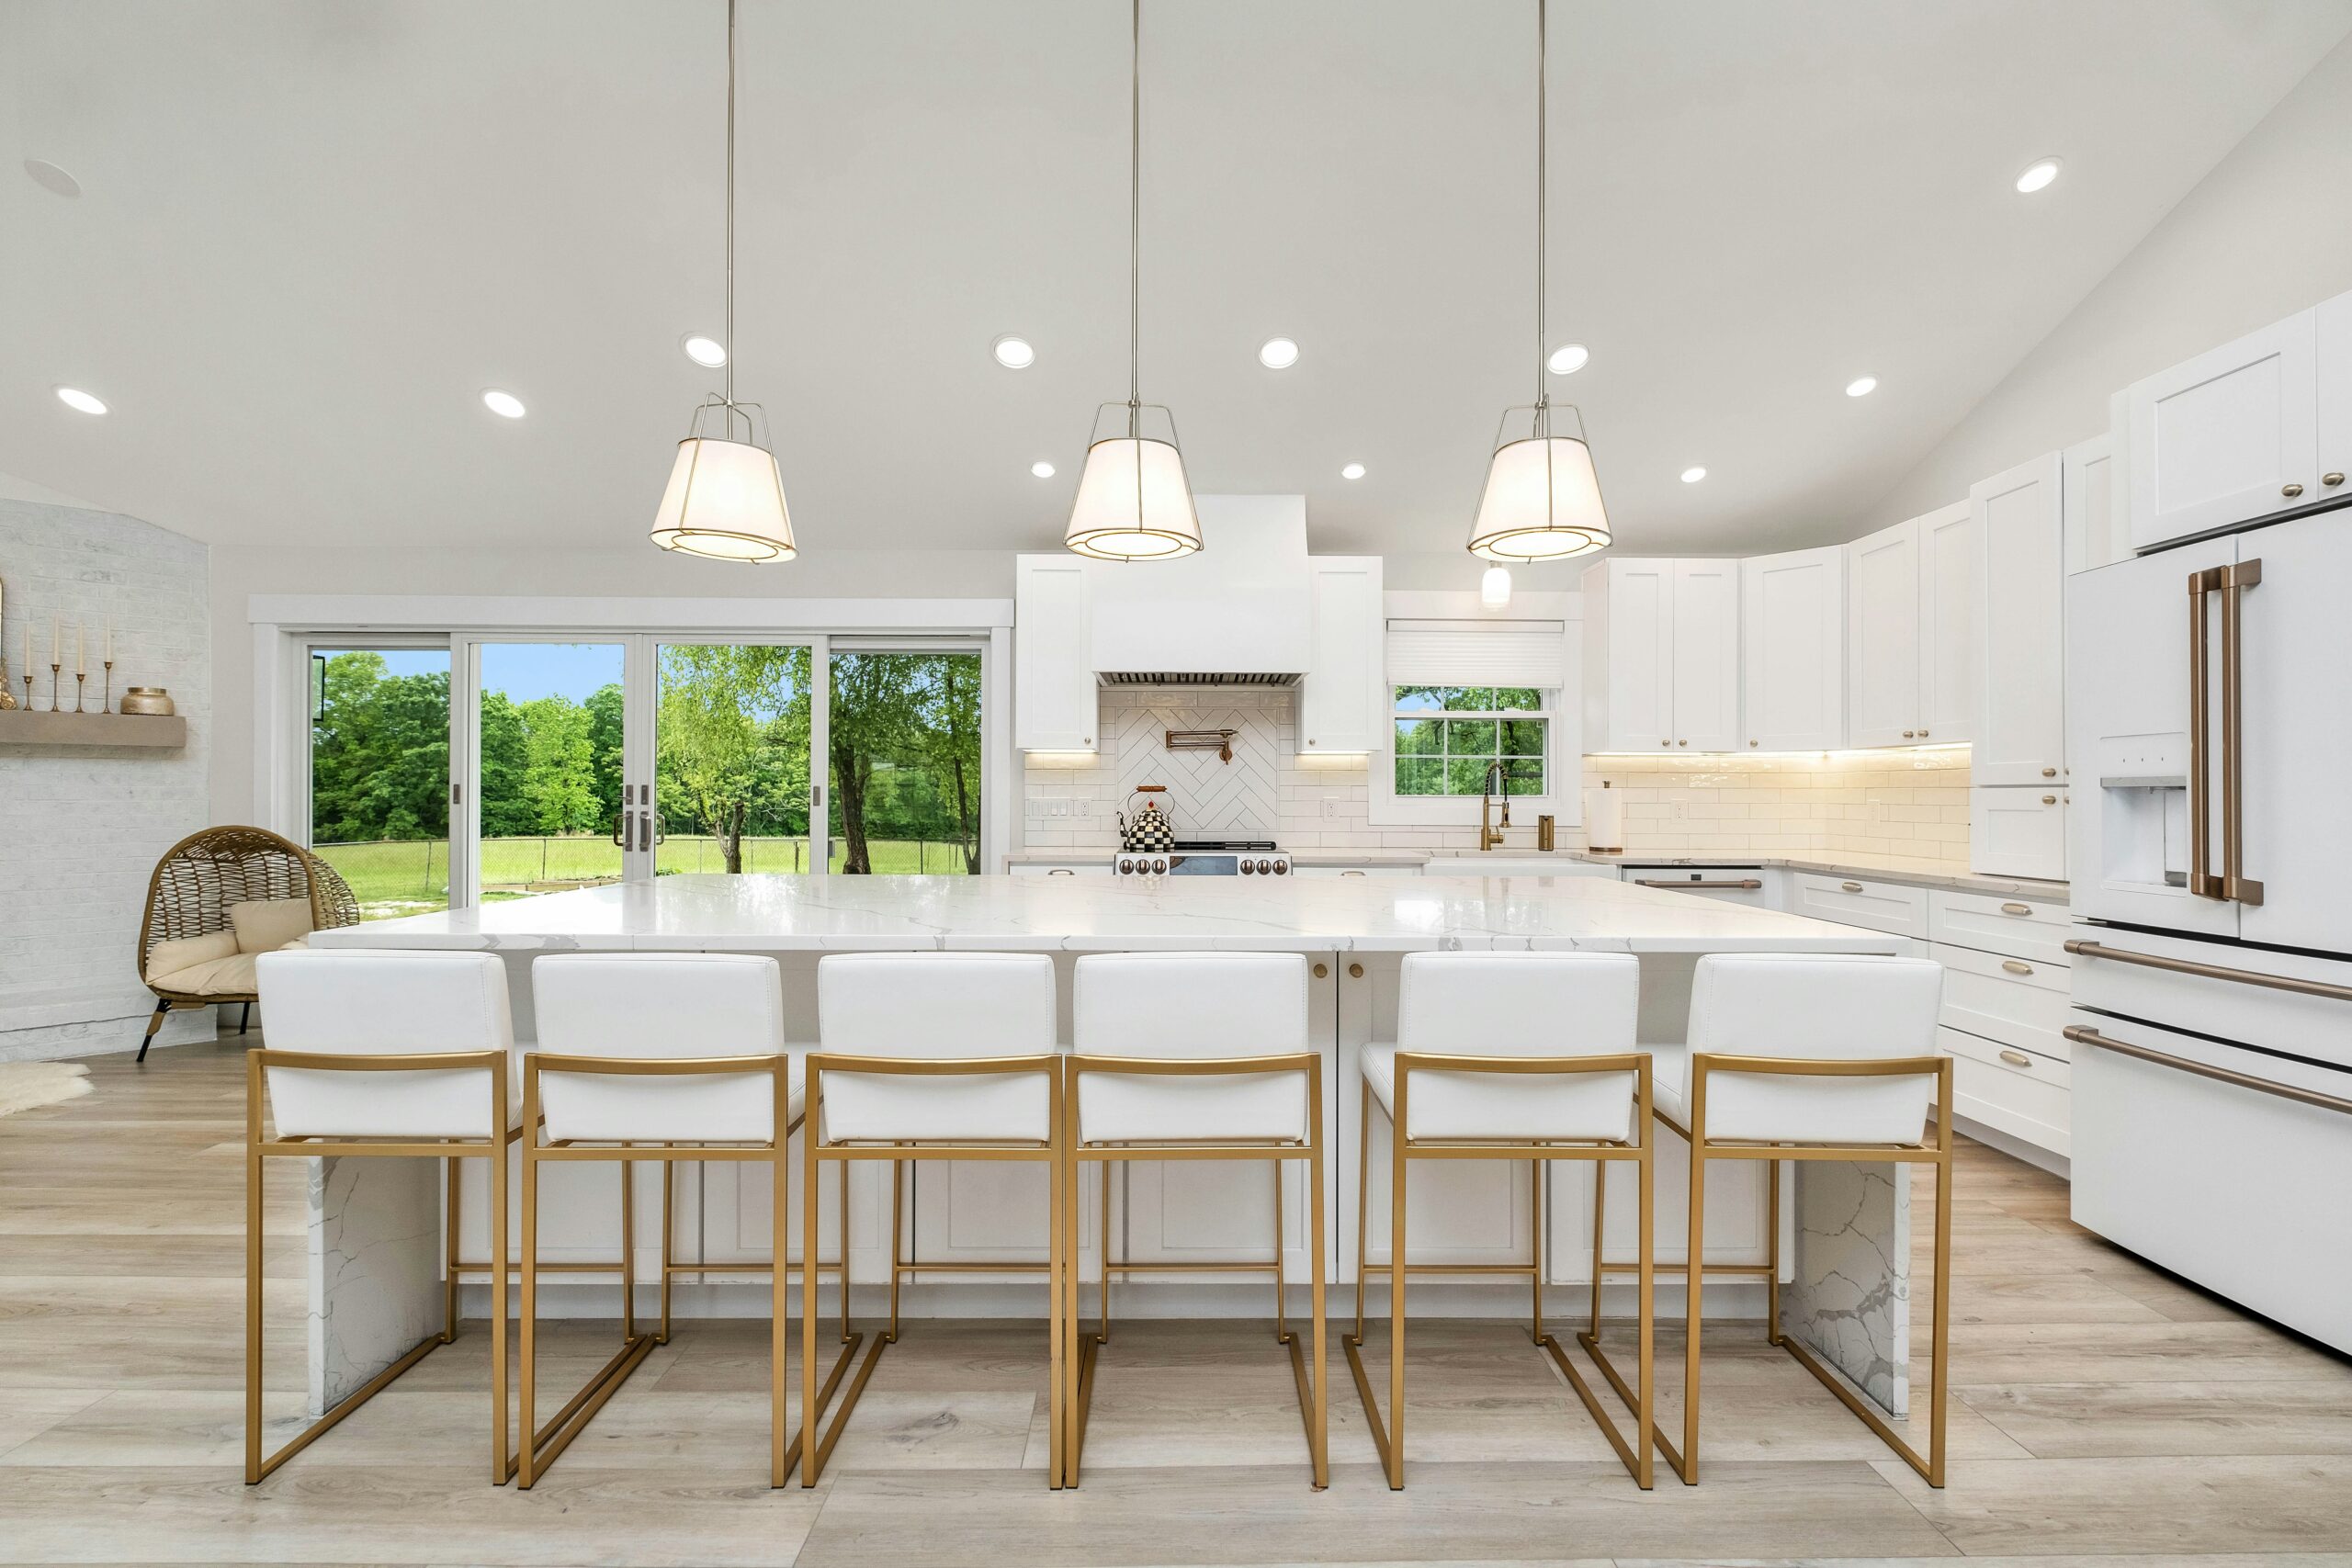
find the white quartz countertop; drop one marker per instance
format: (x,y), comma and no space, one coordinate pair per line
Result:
(760,913)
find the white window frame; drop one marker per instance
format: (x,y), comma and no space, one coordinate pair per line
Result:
(1562,714)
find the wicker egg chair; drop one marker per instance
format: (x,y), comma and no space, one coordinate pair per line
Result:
(195,885)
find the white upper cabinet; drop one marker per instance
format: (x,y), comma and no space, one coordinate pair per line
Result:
(1054,703)
(2333,330)
(1911,635)
(2020,541)
(1948,624)
(1792,650)
(2094,513)
(1707,655)
(1882,636)
(2232,434)
(1661,655)
(1342,702)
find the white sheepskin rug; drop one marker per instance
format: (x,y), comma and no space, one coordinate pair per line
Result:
(28,1086)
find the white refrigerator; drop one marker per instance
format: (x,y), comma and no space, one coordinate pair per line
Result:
(2208,702)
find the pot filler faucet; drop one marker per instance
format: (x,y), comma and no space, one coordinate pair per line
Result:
(1490,833)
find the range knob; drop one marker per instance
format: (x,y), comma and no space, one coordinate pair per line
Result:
(1281,868)
(1159,864)
(1247,867)
(1127,867)
(1265,867)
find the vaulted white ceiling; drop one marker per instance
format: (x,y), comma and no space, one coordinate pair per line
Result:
(311,234)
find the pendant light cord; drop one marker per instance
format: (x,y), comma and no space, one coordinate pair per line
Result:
(1542,50)
(1134,215)
(729,383)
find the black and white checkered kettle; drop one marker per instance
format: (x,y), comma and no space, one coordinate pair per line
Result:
(1148,828)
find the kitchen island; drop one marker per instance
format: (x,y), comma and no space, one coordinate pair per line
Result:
(375,1233)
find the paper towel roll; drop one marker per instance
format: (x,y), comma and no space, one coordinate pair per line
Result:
(1604,820)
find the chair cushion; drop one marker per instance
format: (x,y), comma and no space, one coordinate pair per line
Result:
(1164,1005)
(932,1005)
(1145,1109)
(265,925)
(1561,1107)
(230,976)
(1815,1006)
(653,1005)
(171,966)
(361,1002)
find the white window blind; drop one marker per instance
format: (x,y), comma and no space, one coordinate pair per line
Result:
(1477,653)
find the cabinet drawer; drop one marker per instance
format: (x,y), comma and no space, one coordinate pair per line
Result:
(2011,1001)
(2031,1102)
(2015,927)
(2016,831)
(1851,901)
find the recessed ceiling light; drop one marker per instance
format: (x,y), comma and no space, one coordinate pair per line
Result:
(506,405)
(705,351)
(1861,386)
(74,398)
(1567,359)
(1014,353)
(1693,474)
(49,178)
(1278,353)
(1352,471)
(1042,469)
(2038,176)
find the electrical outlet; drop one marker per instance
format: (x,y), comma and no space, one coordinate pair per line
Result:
(1330,808)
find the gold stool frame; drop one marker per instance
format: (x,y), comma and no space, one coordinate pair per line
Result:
(543,1443)
(1314,1397)
(1390,1439)
(1051,1153)
(259,1466)
(1937,1154)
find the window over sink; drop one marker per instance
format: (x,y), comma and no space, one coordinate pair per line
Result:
(1447,739)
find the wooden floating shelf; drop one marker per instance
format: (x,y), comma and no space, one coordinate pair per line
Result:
(19,728)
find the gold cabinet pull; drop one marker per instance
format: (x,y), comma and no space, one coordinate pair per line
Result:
(2049,800)
(2015,967)
(2331,480)
(2083,948)
(2017,1058)
(1906,735)
(2290,492)
(1355,971)
(1851,886)
(2083,1034)
(2016,908)
(1322,971)
(2049,773)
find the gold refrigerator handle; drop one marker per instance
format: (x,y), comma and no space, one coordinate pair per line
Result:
(2201,880)
(2235,883)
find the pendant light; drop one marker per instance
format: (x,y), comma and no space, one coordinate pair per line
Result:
(1133,502)
(1542,498)
(726,496)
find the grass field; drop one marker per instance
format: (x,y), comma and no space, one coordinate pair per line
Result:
(408,876)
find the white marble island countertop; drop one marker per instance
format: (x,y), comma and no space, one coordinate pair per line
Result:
(833,914)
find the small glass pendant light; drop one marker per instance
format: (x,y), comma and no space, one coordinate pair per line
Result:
(1543,495)
(1133,502)
(725,499)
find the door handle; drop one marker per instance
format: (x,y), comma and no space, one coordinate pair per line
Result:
(2235,883)
(1746,884)
(2083,1034)
(2202,882)
(2082,948)
(620,831)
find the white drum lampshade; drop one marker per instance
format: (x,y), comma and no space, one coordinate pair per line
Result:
(1542,502)
(1134,503)
(725,501)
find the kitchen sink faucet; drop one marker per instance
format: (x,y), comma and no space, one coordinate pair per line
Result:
(1490,833)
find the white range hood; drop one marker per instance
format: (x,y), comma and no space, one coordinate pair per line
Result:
(1236,614)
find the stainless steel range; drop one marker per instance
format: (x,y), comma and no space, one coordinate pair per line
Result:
(1204,857)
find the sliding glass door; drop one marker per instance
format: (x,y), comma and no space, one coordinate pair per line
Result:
(903,757)
(736,724)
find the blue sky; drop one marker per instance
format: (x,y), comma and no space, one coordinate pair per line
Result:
(524,670)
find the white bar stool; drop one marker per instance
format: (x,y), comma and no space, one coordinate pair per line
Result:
(388,1056)
(1196,1055)
(1800,1056)
(932,1056)
(1508,1056)
(683,1051)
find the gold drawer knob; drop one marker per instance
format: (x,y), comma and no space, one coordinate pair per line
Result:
(2331,478)
(2049,773)
(1906,735)
(2015,967)
(2049,800)
(2017,1058)
(2016,908)
(1322,971)
(1851,886)
(1355,971)
(2290,492)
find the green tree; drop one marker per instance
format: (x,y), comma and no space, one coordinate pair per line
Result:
(380,752)
(605,720)
(559,777)
(506,808)
(733,751)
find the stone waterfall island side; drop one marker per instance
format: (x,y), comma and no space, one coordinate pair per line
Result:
(376,1246)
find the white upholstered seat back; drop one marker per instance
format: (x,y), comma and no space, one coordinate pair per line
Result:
(935,1005)
(1518,1004)
(668,1005)
(1189,1005)
(360,1003)
(1831,1007)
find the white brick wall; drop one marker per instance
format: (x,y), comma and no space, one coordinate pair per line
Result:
(81,828)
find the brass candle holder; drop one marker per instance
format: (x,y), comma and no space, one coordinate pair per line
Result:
(106,701)
(53,668)
(80,677)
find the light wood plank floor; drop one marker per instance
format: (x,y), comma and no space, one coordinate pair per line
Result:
(2103,1412)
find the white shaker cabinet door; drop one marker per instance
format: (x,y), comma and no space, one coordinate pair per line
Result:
(1948,624)
(2334,376)
(2227,437)
(1053,655)
(1792,650)
(2094,506)
(1629,640)
(1707,655)
(2020,542)
(1882,636)
(1341,703)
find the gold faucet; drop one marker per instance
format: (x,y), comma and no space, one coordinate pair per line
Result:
(1490,833)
